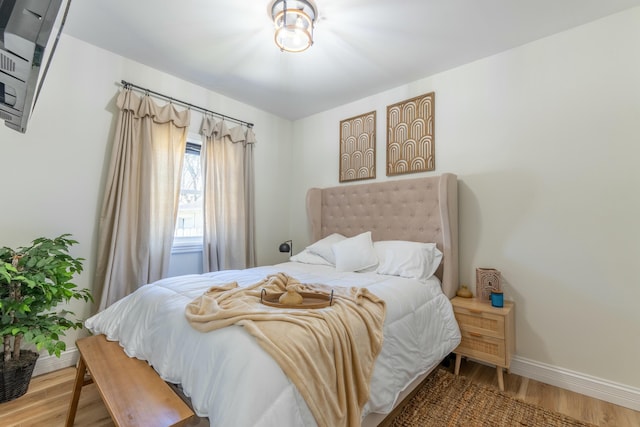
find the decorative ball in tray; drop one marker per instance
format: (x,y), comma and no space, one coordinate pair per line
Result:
(294,299)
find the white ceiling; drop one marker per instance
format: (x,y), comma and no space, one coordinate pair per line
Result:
(361,46)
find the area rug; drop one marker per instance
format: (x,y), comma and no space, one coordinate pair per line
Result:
(445,400)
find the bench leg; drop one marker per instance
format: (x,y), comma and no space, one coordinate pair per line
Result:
(77,387)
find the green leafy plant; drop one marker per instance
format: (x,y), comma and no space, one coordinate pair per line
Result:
(33,281)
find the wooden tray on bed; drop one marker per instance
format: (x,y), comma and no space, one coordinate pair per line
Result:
(309,300)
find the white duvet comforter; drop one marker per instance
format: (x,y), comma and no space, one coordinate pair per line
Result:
(234,382)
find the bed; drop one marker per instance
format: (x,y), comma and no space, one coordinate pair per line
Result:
(230,379)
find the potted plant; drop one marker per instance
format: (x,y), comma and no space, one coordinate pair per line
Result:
(33,281)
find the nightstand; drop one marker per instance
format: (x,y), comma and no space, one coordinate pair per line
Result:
(488,333)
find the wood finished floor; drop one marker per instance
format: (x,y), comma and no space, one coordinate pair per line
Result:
(47,400)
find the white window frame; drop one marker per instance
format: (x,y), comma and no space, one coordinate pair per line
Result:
(188,244)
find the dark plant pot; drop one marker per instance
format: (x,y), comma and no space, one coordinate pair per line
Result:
(15,375)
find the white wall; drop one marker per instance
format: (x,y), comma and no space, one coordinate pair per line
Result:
(545,140)
(52,177)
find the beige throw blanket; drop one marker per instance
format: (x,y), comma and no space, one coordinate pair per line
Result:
(327,353)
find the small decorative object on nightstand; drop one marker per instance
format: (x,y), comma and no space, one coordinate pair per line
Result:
(497,299)
(487,280)
(488,333)
(464,292)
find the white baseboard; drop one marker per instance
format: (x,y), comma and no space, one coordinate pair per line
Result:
(608,391)
(46,364)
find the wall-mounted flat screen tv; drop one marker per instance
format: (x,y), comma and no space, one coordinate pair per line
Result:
(29,33)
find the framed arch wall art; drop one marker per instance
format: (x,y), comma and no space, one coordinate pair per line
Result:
(358,147)
(411,136)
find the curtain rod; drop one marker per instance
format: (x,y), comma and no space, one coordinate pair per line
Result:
(186,104)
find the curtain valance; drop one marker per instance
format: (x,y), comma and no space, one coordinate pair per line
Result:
(213,128)
(144,106)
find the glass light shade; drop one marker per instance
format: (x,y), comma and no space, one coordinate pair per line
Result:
(294,24)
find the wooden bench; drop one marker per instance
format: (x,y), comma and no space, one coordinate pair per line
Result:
(132,391)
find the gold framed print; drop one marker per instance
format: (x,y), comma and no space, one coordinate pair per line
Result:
(410,135)
(358,147)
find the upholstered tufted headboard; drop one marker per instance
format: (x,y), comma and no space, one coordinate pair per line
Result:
(419,210)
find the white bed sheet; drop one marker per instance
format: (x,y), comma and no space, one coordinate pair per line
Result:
(233,381)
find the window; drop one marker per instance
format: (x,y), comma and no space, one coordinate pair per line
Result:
(188,232)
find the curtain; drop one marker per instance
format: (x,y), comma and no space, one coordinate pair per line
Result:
(228,187)
(140,204)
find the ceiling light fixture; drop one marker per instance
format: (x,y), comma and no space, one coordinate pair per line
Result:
(294,20)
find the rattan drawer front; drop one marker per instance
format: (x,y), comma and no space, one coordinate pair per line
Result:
(483,323)
(488,349)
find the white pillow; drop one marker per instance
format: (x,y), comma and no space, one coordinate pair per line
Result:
(355,253)
(413,260)
(323,247)
(307,257)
